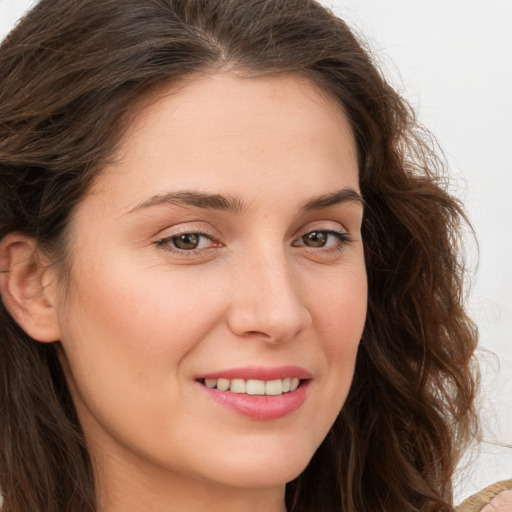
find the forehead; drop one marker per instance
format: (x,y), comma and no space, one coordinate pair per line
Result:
(218,130)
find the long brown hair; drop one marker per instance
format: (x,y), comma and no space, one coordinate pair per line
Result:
(71,71)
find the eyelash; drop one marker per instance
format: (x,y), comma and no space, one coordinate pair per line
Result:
(165,243)
(343,239)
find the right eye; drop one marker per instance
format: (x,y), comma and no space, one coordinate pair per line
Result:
(324,239)
(187,242)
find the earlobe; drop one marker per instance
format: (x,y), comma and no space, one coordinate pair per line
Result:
(27,292)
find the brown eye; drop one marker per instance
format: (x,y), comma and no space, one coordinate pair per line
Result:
(316,239)
(324,239)
(187,241)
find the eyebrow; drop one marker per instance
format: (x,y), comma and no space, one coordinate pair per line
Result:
(338,197)
(235,205)
(192,198)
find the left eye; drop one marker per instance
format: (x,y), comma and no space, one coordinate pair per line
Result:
(322,238)
(187,241)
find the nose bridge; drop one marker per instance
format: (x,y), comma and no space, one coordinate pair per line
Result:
(267,299)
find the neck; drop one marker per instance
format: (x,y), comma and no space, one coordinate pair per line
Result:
(122,489)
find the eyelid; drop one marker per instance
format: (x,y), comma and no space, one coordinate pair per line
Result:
(322,225)
(199,228)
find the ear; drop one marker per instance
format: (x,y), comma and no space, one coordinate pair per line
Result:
(28,286)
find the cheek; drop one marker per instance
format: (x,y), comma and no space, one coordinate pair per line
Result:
(127,332)
(340,315)
(141,309)
(340,309)
(126,336)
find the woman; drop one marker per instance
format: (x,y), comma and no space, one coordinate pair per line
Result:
(196,313)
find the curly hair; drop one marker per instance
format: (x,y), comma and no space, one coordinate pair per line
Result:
(71,72)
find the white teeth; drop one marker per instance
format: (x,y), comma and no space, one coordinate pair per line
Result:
(223,384)
(211,383)
(254,386)
(237,386)
(274,387)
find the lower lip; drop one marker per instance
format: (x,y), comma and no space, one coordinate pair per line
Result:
(260,407)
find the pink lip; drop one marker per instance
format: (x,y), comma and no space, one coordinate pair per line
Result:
(260,407)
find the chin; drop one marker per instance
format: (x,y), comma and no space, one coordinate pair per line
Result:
(265,469)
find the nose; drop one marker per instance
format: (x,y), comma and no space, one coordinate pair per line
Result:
(266,300)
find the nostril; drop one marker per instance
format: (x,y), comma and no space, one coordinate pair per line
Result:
(258,333)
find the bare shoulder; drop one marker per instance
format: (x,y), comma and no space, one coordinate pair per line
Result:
(502,502)
(495,498)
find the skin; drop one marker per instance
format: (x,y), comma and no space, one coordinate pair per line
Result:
(142,318)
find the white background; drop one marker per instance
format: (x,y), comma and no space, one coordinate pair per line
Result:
(452,59)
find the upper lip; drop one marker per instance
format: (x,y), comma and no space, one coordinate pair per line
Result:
(259,373)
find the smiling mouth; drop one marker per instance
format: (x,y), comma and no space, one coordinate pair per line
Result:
(254,386)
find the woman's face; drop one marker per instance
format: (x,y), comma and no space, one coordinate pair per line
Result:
(222,248)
